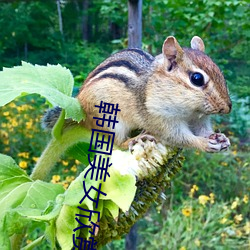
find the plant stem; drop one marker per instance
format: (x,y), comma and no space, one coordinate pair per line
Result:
(56,147)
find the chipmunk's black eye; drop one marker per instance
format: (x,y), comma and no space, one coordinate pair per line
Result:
(197,79)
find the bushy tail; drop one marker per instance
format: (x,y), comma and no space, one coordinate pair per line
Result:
(50,118)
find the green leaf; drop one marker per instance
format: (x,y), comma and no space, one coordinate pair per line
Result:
(9,168)
(50,233)
(80,152)
(14,223)
(7,185)
(22,199)
(28,200)
(65,224)
(4,240)
(112,207)
(8,220)
(75,192)
(120,189)
(44,217)
(14,198)
(53,82)
(39,194)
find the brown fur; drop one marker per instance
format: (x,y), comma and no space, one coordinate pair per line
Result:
(156,95)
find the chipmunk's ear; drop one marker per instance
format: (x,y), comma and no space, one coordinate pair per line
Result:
(197,43)
(171,49)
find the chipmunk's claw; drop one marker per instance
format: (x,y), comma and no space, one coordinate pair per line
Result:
(141,139)
(218,142)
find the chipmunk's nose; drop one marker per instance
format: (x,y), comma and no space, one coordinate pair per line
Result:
(227,108)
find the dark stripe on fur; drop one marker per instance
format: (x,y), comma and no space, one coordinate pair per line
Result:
(118,77)
(118,63)
(142,53)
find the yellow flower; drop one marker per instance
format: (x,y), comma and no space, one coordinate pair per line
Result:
(70,178)
(24,107)
(4,134)
(187,211)
(238,218)
(29,124)
(55,178)
(193,190)
(224,164)
(197,242)
(14,123)
(234,152)
(238,159)
(183,248)
(223,235)
(73,168)
(211,195)
(65,185)
(245,199)
(6,113)
(247,227)
(6,149)
(12,105)
(238,233)
(235,203)
(203,199)
(23,164)
(6,141)
(223,220)
(77,162)
(65,163)
(225,207)
(24,154)
(35,159)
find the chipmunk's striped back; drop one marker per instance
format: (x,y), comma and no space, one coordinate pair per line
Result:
(124,66)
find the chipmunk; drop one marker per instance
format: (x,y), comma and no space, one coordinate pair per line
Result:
(169,97)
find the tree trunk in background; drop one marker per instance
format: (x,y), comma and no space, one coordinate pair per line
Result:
(135,23)
(59,16)
(134,41)
(131,238)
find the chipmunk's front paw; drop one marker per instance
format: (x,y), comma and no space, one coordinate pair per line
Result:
(218,142)
(141,139)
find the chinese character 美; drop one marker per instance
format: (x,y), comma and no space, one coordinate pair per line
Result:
(107,108)
(87,193)
(103,141)
(100,167)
